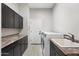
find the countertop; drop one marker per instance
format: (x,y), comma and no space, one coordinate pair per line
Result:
(66,46)
(5,41)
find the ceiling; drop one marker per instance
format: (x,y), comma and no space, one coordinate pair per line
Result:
(41,5)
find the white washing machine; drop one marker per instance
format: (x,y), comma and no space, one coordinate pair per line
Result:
(46,42)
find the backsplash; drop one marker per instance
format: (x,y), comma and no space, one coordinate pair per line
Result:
(7,31)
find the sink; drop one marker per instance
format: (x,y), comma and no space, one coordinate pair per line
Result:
(65,43)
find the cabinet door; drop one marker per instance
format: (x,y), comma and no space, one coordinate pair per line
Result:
(16,21)
(59,52)
(10,52)
(20,22)
(7,51)
(22,49)
(9,18)
(26,42)
(21,43)
(3,15)
(22,46)
(52,49)
(17,50)
(26,39)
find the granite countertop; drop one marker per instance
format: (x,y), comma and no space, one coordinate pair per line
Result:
(66,46)
(5,41)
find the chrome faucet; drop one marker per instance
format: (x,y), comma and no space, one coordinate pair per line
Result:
(70,37)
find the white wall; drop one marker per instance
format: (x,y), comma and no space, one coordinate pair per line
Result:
(66,18)
(43,14)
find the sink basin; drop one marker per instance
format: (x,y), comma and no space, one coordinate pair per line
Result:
(65,43)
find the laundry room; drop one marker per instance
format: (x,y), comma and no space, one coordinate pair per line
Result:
(39,29)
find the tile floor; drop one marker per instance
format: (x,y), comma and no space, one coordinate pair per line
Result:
(33,50)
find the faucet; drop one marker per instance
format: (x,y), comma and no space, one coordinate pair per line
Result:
(70,37)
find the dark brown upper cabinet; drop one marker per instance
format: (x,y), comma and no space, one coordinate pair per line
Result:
(11,19)
(17,21)
(20,22)
(3,15)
